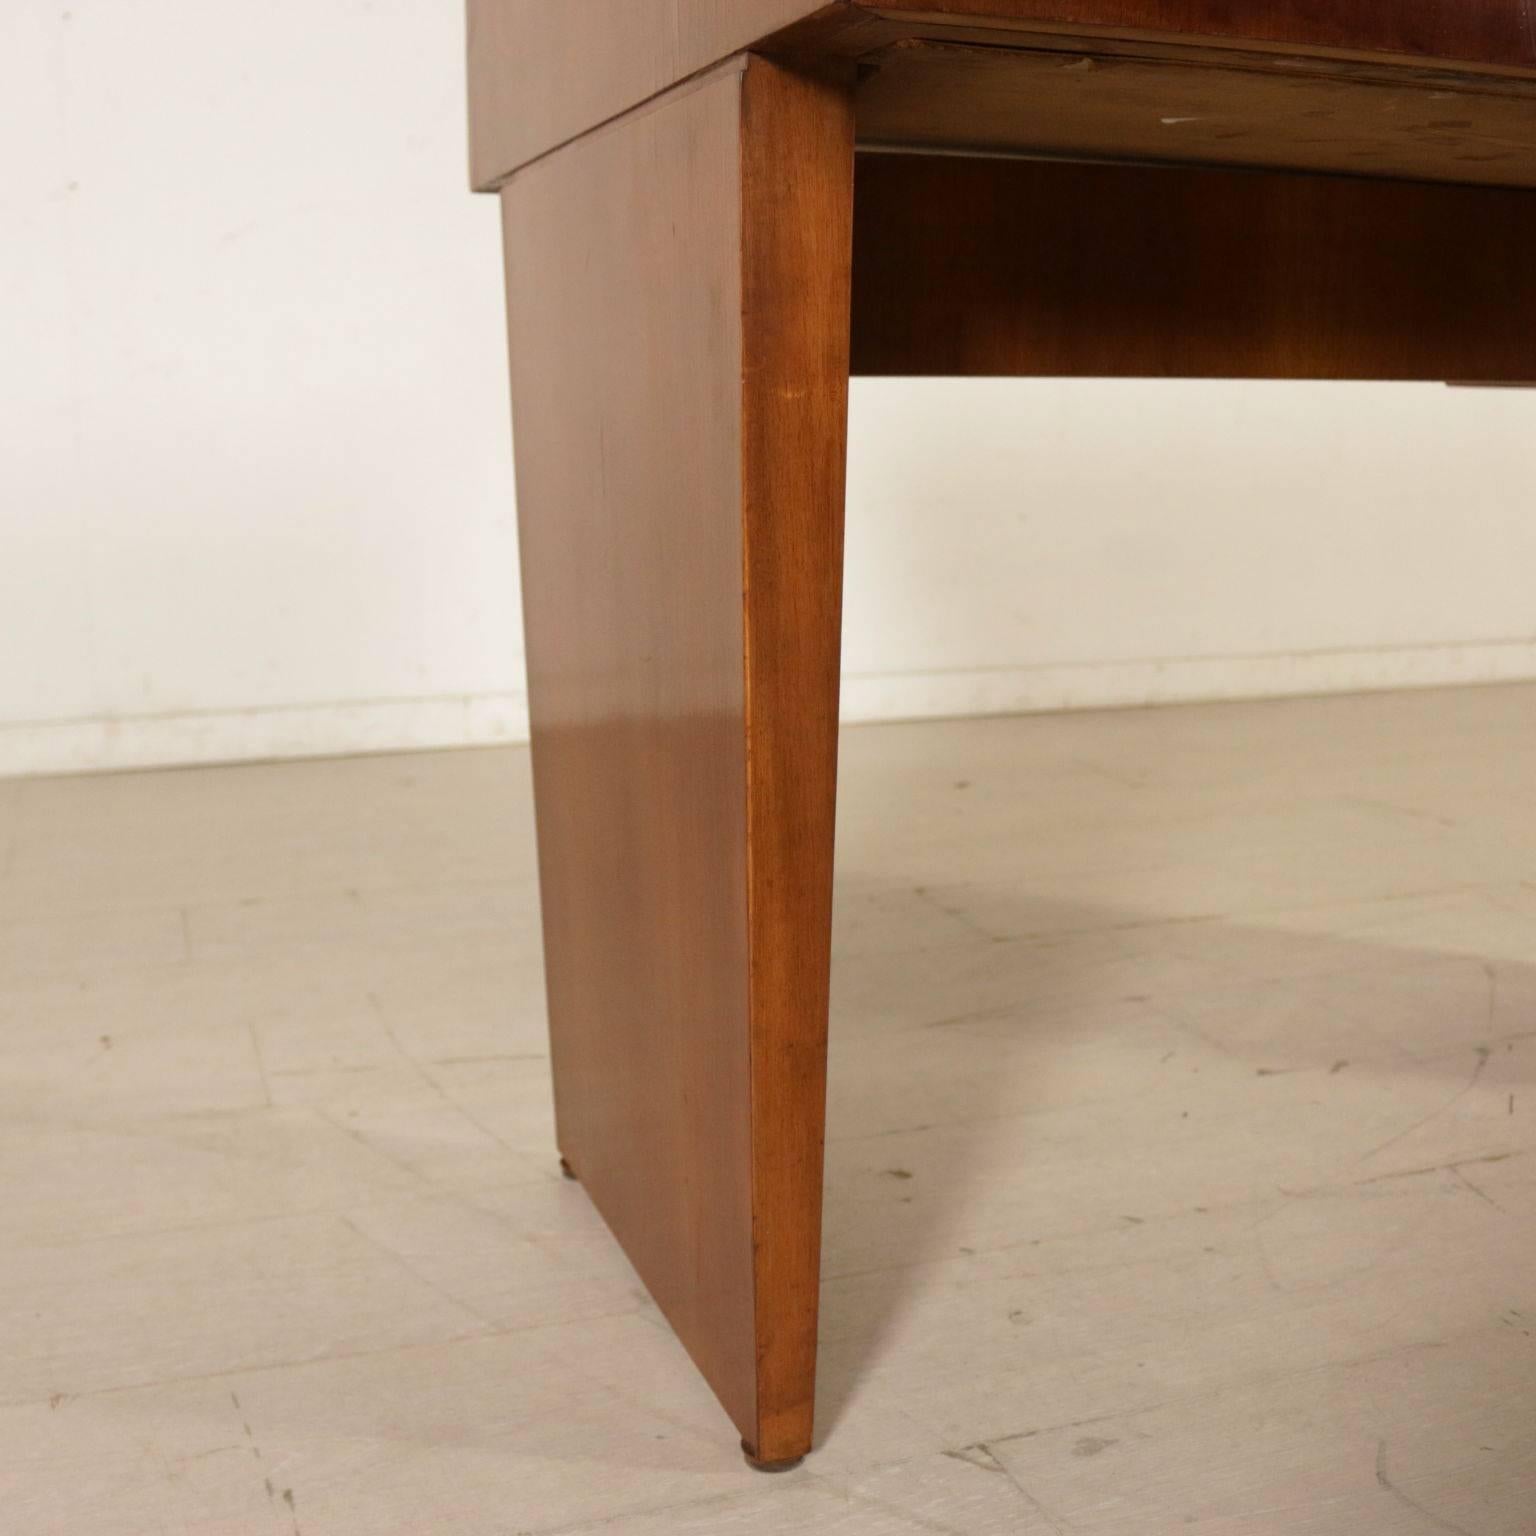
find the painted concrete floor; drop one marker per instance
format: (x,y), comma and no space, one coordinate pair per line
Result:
(1181,1180)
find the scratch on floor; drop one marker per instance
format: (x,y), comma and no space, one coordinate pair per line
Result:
(382,1014)
(1484,1052)
(1482,1194)
(261,1060)
(1098,1418)
(218,1450)
(268,1486)
(1383,1480)
(415,1274)
(982,1456)
(1449,823)
(974,1016)
(1322,1191)
(378,1151)
(1416,1173)
(960,916)
(976,1456)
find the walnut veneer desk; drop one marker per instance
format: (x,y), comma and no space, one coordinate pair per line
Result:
(715,210)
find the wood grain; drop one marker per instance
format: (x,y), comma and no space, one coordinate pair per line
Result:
(622,255)
(970,266)
(678,290)
(1076,98)
(797,202)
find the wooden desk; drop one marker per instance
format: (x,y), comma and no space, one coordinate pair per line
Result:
(715,211)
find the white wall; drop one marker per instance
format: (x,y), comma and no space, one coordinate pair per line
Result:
(1055,544)
(256,494)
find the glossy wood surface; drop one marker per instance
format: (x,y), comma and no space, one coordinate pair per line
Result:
(1143,102)
(1501,33)
(542,73)
(628,446)
(678,291)
(988,266)
(797,242)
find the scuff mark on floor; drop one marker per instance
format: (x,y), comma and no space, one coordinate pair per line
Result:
(1384,1481)
(1484,1052)
(982,1457)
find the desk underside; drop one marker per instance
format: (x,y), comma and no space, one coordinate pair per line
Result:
(1412,88)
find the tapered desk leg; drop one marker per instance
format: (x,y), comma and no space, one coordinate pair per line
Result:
(678,289)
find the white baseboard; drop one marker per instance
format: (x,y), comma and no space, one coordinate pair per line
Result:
(404,725)
(1191,680)
(256,735)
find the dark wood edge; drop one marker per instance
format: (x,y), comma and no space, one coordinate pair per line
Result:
(857,31)
(797,261)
